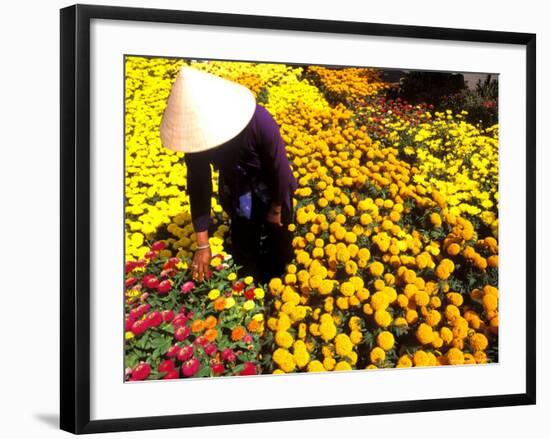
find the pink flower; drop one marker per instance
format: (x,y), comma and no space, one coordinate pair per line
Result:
(154,319)
(158,245)
(139,327)
(228,355)
(185,353)
(172,374)
(173,351)
(129,322)
(247,338)
(171,263)
(164,287)
(140,372)
(190,367)
(167,315)
(182,332)
(150,281)
(187,287)
(210,349)
(201,341)
(249,369)
(217,368)
(166,366)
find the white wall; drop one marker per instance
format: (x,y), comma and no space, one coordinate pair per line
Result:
(29,236)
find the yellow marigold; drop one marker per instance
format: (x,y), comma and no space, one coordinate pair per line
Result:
(367,309)
(421,359)
(435,302)
(451,312)
(343,255)
(385,340)
(490,302)
(275,285)
(411,316)
(327,330)
(326,287)
(382,318)
(437,341)
(379,301)
(453,249)
(480,357)
(342,365)
(363,254)
(301,357)
(410,290)
(400,321)
(357,282)
(442,272)
(435,219)
(283,339)
(377,354)
(347,288)
(421,298)
(302,330)
(283,323)
(354,323)
(478,342)
(284,359)
(404,361)
(376,268)
(342,303)
(455,356)
(329,363)
(455,298)
(290,279)
(432,317)
(356,336)
(343,345)
(363,294)
(424,333)
(315,366)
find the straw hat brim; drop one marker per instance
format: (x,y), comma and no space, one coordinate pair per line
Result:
(204,111)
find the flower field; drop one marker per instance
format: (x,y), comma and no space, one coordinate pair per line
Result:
(396,235)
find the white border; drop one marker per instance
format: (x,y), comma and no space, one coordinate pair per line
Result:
(111,398)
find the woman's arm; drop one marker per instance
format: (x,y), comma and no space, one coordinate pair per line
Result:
(199,189)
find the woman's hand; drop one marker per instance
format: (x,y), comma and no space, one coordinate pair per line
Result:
(274,215)
(200,266)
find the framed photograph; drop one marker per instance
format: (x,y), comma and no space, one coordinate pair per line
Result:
(275,218)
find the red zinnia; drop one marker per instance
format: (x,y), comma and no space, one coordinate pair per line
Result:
(140,372)
(249,369)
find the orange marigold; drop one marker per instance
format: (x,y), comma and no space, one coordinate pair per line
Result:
(237,333)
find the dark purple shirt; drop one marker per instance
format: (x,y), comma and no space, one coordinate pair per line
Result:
(255,158)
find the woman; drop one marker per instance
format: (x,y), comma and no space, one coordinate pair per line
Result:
(217,122)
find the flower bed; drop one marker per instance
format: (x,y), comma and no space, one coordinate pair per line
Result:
(396,256)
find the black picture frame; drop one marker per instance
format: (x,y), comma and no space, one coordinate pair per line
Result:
(75,216)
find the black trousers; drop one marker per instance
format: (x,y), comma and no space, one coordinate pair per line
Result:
(261,248)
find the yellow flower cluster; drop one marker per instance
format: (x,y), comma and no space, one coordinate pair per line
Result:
(252,75)
(349,83)
(457,159)
(365,272)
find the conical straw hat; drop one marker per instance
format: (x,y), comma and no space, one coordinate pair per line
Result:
(203,111)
